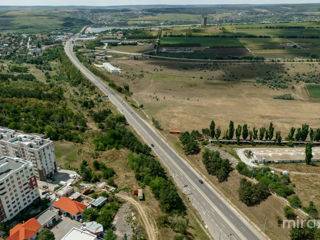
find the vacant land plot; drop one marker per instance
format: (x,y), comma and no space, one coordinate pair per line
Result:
(67,154)
(314,91)
(187,96)
(277,155)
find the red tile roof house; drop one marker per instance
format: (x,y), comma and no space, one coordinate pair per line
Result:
(70,208)
(27,230)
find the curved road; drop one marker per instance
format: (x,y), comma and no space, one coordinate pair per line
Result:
(221,219)
(150,227)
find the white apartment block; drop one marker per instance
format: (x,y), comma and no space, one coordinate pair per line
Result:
(18,186)
(37,150)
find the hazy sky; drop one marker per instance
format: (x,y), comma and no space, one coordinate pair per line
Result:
(142,2)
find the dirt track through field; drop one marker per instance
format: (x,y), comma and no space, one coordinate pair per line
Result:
(149,223)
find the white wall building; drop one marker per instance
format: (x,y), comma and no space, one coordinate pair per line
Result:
(78,234)
(33,148)
(111,69)
(18,186)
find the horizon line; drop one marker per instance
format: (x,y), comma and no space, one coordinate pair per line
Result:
(130,5)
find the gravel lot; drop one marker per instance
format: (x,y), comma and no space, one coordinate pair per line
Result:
(63,227)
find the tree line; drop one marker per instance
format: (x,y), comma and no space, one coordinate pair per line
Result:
(242,132)
(147,169)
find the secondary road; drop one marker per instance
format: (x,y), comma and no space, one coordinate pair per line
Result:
(267,60)
(149,223)
(221,219)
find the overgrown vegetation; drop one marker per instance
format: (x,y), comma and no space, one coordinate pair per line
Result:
(287,96)
(190,142)
(33,106)
(147,169)
(268,179)
(215,165)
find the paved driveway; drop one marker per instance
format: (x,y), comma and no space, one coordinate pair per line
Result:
(63,227)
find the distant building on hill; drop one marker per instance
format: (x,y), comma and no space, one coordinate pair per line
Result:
(204,20)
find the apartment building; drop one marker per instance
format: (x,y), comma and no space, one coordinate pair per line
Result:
(37,150)
(18,186)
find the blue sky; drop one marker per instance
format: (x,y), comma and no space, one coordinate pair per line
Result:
(143,2)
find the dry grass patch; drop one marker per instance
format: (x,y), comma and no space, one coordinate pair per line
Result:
(307,188)
(187,96)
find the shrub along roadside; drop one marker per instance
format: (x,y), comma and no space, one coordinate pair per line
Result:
(215,165)
(147,169)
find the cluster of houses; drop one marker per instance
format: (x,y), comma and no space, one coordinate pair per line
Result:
(13,44)
(64,207)
(24,160)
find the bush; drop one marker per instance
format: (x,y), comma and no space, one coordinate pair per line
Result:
(295,201)
(285,97)
(311,210)
(215,165)
(243,169)
(190,145)
(252,194)
(289,213)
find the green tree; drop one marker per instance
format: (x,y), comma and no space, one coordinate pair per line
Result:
(317,135)
(262,132)
(291,134)
(206,132)
(311,134)
(245,131)
(90,214)
(303,233)
(238,133)
(311,210)
(308,154)
(110,235)
(212,129)
(295,201)
(96,165)
(278,137)
(251,135)
(270,132)
(231,130)
(289,212)
(304,131)
(255,133)
(46,234)
(218,133)
(298,135)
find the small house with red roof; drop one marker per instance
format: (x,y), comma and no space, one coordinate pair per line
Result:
(69,207)
(27,230)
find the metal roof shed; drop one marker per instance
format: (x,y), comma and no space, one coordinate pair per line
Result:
(99,202)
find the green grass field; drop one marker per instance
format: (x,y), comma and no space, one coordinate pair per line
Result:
(285,40)
(314,91)
(202,42)
(36,21)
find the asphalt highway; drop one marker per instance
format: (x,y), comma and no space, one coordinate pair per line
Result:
(219,217)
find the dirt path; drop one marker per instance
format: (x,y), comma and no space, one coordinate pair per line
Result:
(149,223)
